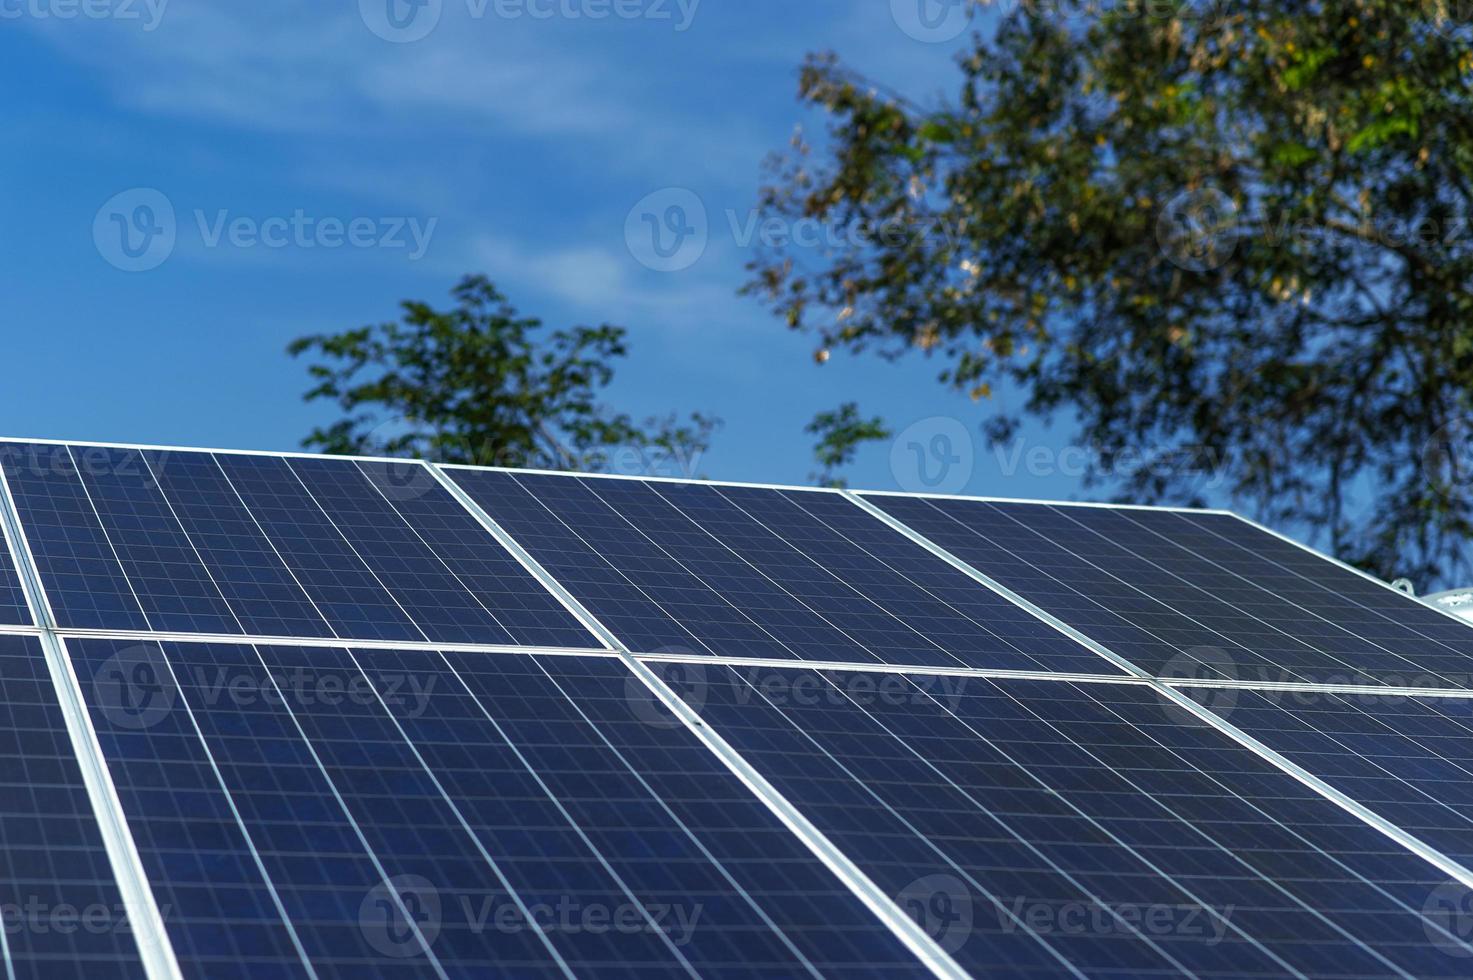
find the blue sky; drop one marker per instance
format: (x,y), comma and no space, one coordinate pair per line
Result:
(517,146)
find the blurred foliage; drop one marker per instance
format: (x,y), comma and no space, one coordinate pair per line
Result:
(481,384)
(1233,237)
(840,434)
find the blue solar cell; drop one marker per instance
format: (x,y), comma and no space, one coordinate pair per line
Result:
(241,560)
(1408,759)
(762,573)
(84,582)
(355,602)
(63,915)
(161,566)
(1197,595)
(1045,828)
(486,813)
(13,608)
(521,604)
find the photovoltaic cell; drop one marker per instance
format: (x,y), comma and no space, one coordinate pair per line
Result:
(755,572)
(63,914)
(379,813)
(1044,828)
(1409,759)
(13,608)
(1197,595)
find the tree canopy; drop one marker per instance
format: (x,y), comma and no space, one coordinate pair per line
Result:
(481,384)
(1229,239)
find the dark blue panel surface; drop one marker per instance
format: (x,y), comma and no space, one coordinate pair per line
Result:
(162,567)
(497,580)
(63,913)
(521,810)
(1408,759)
(754,572)
(1198,595)
(245,566)
(79,570)
(345,590)
(13,608)
(1038,828)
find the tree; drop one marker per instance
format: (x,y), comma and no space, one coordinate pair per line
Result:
(1232,240)
(481,384)
(840,434)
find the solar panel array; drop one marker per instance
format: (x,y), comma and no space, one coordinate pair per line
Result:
(281,715)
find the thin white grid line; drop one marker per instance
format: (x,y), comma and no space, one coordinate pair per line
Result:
(968,529)
(1070,804)
(563,811)
(684,827)
(996,586)
(367,567)
(274,550)
(353,821)
(106,536)
(1247,615)
(290,454)
(1234,855)
(639,588)
(286,921)
(905,929)
(951,862)
(1252,802)
(1340,595)
(1428,749)
(192,547)
(978,624)
(465,824)
(435,552)
(155,948)
(818,565)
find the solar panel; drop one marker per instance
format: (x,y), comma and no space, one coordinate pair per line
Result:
(1043,827)
(1200,595)
(1410,759)
(754,572)
(331,717)
(383,813)
(63,914)
(264,545)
